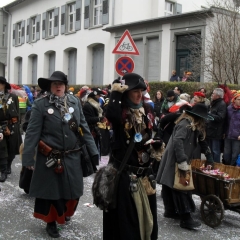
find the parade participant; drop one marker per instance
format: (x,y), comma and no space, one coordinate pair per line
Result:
(131,121)
(9,125)
(189,129)
(158,101)
(57,181)
(198,97)
(93,114)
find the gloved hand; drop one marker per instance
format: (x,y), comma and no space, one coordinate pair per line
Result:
(183,166)
(157,143)
(209,160)
(118,86)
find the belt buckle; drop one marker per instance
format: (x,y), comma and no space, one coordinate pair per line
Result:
(140,170)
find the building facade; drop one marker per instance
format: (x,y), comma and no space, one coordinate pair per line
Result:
(77,37)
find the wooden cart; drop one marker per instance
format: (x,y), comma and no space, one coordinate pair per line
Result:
(217,193)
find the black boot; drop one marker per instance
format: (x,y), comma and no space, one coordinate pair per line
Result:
(188,222)
(3,177)
(9,170)
(52,230)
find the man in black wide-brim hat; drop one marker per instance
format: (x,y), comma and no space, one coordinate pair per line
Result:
(9,128)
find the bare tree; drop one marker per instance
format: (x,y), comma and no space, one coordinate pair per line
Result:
(221,55)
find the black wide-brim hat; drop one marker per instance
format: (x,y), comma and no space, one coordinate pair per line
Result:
(199,110)
(7,85)
(96,91)
(45,83)
(134,81)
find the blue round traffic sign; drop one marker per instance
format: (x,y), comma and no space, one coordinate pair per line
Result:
(124,65)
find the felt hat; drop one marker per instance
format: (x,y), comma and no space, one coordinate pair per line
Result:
(7,85)
(95,92)
(134,81)
(199,110)
(45,83)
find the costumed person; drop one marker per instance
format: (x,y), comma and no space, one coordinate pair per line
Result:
(30,97)
(94,114)
(57,181)
(131,121)
(83,94)
(9,126)
(189,129)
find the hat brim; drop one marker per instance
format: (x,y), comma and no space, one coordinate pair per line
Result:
(205,116)
(45,83)
(7,85)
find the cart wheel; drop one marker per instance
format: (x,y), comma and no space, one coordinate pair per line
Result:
(212,210)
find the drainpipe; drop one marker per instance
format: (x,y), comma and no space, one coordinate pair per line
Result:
(113,11)
(9,42)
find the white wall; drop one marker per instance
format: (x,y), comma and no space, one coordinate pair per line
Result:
(193,5)
(81,40)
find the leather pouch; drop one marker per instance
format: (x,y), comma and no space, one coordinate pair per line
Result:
(44,148)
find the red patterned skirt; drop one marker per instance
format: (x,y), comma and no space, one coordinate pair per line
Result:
(54,210)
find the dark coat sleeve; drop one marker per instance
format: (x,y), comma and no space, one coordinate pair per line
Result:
(219,113)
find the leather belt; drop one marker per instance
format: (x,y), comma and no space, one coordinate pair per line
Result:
(135,170)
(57,152)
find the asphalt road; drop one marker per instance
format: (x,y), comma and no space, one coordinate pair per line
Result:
(17,222)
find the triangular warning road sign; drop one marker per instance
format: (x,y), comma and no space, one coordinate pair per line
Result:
(126,45)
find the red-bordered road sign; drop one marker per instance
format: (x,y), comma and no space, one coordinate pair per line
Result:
(124,65)
(126,45)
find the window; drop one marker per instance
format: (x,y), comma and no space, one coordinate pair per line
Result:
(50,23)
(34,28)
(97,12)
(168,8)
(4,35)
(71,17)
(19,33)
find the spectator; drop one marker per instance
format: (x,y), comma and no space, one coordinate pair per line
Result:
(174,77)
(178,90)
(198,97)
(215,128)
(232,136)
(170,100)
(158,101)
(185,76)
(185,96)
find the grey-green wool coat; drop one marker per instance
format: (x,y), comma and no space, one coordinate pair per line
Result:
(46,124)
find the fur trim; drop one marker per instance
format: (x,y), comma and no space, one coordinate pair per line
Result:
(118,87)
(96,105)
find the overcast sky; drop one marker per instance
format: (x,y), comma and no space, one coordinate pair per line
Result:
(5,2)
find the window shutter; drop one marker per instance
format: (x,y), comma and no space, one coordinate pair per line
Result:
(23,32)
(44,25)
(56,21)
(86,13)
(14,34)
(27,33)
(63,18)
(78,15)
(38,19)
(105,12)
(178,8)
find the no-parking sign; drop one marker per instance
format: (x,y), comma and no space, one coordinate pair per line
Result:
(124,65)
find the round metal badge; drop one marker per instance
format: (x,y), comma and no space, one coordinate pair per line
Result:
(50,111)
(71,110)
